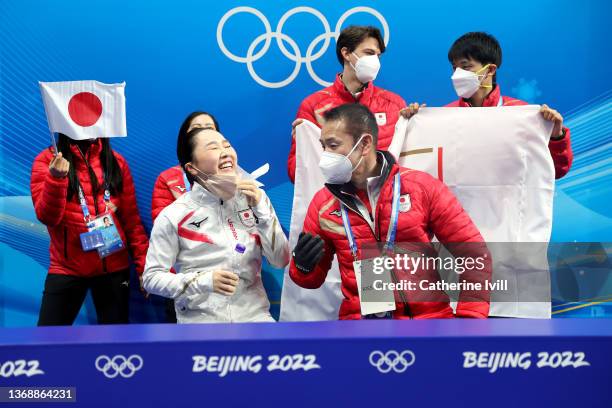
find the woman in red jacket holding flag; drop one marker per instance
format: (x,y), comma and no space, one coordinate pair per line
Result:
(85,196)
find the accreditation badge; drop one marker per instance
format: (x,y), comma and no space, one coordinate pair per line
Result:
(374,296)
(91,240)
(104,225)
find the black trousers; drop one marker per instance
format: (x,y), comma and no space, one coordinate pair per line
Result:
(64,295)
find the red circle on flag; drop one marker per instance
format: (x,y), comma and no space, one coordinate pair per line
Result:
(85,109)
(402,199)
(246,215)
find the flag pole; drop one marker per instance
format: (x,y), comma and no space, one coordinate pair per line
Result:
(54,144)
(52,134)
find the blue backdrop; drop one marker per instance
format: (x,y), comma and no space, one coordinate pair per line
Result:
(171,56)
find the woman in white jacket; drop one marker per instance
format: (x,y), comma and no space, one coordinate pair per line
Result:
(214,236)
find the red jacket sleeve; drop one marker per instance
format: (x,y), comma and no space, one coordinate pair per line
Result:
(291,162)
(317,276)
(456,230)
(138,242)
(561,152)
(48,193)
(399,102)
(162,197)
(304,112)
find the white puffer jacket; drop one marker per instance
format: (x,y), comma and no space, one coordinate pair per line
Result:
(197,235)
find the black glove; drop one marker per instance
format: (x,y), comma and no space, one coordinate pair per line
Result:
(308,252)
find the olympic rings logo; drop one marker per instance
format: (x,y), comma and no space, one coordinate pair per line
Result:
(119,365)
(295,56)
(392,360)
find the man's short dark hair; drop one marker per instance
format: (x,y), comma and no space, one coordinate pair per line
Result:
(479,46)
(357,120)
(354,35)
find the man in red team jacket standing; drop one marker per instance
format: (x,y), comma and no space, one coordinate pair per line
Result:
(358,49)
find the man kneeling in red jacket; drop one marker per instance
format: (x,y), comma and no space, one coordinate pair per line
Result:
(358,202)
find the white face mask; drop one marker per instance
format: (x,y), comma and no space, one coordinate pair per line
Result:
(466,83)
(337,168)
(366,68)
(222,185)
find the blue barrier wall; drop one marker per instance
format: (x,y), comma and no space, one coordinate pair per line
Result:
(495,362)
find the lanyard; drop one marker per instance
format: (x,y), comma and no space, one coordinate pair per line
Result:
(186,180)
(392,226)
(83,202)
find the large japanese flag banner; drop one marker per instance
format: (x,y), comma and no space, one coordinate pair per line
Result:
(85,109)
(496,161)
(298,303)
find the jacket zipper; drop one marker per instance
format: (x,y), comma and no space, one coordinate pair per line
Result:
(377,237)
(362,217)
(402,295)
(95,194)
(222,224)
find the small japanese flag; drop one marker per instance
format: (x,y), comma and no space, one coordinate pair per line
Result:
(381,118)
(85,109)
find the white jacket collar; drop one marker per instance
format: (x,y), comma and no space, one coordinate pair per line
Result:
(202,196)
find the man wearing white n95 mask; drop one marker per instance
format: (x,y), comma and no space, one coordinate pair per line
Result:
(358,50)
(215,236)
